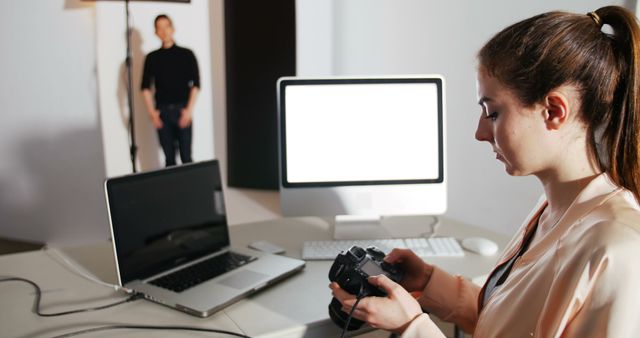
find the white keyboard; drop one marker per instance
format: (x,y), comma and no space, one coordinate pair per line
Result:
(423,247)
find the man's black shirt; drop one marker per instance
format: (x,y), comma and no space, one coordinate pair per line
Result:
(173,71)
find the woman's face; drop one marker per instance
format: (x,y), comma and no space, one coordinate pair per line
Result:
(515,132)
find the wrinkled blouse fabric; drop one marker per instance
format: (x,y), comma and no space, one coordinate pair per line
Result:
(580,278)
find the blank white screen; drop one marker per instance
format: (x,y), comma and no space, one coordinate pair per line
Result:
(361,132)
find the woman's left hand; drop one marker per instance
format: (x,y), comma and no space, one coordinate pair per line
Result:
(391,313)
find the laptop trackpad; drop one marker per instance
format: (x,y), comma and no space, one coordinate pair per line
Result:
(243,279)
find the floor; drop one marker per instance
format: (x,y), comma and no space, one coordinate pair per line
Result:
(8,246)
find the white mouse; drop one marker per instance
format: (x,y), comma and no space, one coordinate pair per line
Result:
(479,245)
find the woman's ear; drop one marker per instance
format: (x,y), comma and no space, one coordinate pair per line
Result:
(557,109)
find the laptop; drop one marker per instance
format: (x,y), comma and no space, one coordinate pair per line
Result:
(171,241)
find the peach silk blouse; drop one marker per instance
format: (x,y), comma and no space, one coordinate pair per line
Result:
(580,278)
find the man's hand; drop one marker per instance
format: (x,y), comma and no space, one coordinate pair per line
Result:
(155,119)
(185,118)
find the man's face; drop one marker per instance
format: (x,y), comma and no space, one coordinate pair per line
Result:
(164,30)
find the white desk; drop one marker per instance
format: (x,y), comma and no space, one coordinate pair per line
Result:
(296,307)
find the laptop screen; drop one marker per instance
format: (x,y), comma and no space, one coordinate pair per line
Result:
(164,218)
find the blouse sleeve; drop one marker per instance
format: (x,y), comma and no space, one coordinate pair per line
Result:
(422,327)
(451,298)
(605,295)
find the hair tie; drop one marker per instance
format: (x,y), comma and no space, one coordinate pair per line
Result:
(596,18)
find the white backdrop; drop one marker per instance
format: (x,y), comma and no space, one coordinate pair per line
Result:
(52,166)
(191,22)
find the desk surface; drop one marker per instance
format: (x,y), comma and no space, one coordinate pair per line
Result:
(295,307)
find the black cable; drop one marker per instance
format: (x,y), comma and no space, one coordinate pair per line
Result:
(358,298)
(36,303)
(149,327)
(36,310)
(344,329)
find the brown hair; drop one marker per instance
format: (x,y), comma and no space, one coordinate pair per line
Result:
(539,54)
(161,16)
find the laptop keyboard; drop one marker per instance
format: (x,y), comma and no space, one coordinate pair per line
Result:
(201,272)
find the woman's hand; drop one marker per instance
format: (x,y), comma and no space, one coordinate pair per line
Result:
(391,313)
(416,272)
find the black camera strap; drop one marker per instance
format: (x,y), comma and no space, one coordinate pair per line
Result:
(500,275)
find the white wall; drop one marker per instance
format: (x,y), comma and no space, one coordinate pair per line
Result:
(52,167)
(420,36)
(52,164)
(191,22)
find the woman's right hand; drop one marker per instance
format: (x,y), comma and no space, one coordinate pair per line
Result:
(394,312)
(416,272)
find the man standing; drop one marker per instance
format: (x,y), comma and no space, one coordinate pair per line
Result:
(173,71)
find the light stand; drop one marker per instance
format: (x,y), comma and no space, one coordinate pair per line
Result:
(133,148)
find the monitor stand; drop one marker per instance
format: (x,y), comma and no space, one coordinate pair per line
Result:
(384,227)
(359,227)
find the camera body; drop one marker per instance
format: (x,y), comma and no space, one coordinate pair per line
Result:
(350,270)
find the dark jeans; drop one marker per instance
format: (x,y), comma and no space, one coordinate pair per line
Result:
(171,133)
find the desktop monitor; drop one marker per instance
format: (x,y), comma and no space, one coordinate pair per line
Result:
(362,147)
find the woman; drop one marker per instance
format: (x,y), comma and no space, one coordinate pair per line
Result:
(560,100)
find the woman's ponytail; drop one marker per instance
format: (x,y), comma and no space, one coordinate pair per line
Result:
(622,125)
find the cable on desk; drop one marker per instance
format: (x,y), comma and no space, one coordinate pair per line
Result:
(150,327)
(82,272)
(36,303)
(136,296)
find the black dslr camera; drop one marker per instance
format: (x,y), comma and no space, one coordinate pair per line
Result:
(350,270)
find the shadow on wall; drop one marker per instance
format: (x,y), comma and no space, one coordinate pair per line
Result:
(148,157)
(76,4)
(65,175)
